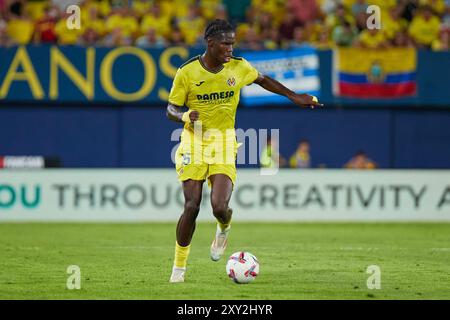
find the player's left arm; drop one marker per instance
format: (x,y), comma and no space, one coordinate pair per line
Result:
(300,99)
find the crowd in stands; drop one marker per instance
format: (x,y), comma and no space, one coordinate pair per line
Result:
(260,24)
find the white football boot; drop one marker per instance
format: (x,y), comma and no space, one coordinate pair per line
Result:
(219,243)
(177,275)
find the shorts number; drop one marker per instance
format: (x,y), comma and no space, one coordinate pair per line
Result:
(186,159)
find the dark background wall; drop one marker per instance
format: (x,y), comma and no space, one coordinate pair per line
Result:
(140,137)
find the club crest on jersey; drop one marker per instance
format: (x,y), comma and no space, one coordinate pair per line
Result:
(231,82)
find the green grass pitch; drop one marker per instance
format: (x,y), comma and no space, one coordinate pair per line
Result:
(298,261)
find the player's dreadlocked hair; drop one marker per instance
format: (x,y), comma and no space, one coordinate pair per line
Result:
(217,26)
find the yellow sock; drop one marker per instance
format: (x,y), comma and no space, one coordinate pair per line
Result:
(181,255)
(223,226)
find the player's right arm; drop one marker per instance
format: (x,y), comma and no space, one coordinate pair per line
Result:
(178,98)
(175,113)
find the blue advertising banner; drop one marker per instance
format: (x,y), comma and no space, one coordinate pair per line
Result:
(101,75)
(297,69)
(132,75)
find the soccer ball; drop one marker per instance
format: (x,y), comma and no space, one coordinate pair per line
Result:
(242,267)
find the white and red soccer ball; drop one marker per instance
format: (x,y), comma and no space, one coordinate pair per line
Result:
(242,267)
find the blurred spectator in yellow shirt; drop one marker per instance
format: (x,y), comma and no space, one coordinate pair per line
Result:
(301,158)
(20,26)
(209,8)
(424,28)
(157,20)
(192,26)
(372,39)
(339,17)
(5,39)
(360,161)
(122,19)
(65,35)
(438,6)
(392,22)
(323,41)
(140,7)
(103,7)
(90,19)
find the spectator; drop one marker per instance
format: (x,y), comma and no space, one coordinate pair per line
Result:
(446,18)
(66,36)
(192,25)
(372,39)
(140,7)
(272,39)
(16,8)
(402,39)
(438,6)
(288,26)
(271,157)
(408,9)
(424,28)
(90,37)
(300,38)
(359,8)
(359,12)
(344,35)
(45,27)
(251,41)
(323,42)
(20,28)
(116,38)
(94,22)
(339,17)
(122,19)
(215,9)
(305,10)
(301,158)
(392,22)
(5,40)
(157,20)
(151,40)
(176,38)
(443,42)
(360,161)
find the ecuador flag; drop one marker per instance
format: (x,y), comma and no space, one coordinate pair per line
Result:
(366,73)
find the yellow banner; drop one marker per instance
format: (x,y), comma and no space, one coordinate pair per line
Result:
(358,60)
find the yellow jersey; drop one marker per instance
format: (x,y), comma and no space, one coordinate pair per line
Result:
(215,95)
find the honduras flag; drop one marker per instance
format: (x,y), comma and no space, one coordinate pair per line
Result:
(297,69)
